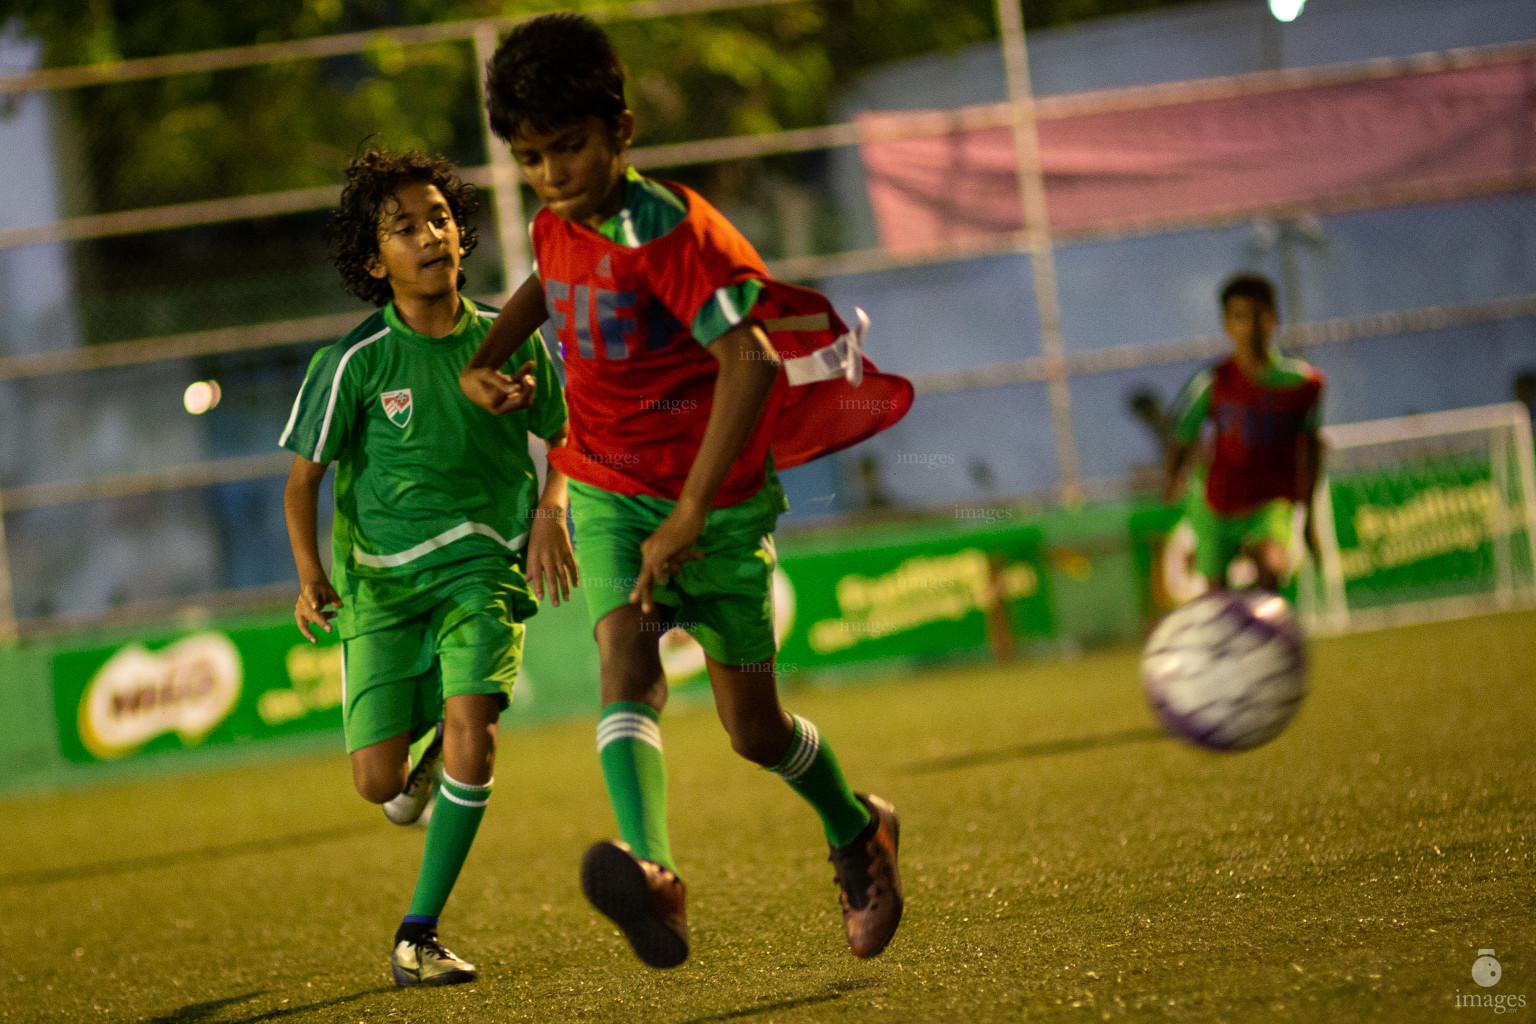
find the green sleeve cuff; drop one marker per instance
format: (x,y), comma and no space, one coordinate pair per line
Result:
(726,308)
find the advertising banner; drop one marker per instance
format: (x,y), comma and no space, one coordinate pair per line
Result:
(934,593)
(1430,528)
(930,593)
(202,687)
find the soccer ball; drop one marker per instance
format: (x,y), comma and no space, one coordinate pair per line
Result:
(1226,671)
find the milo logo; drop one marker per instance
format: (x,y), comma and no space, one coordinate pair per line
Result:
(187,688)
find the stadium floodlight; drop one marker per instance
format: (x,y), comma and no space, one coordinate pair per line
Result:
(1286,10)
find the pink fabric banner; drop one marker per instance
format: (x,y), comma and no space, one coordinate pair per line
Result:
(1354,145)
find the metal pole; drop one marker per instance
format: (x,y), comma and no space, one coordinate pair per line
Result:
(1500,534)
(1525,454)
(506,185)
(1336,598)
(7,600)
(1037,230)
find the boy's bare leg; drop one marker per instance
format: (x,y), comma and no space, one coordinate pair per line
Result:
(379,769)
(635,882)
(627,648)
(862,831)
(469,759)
(634,690)
(469,736)
(747,701)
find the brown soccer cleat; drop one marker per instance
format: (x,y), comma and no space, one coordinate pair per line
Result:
(868,880)
(640,896)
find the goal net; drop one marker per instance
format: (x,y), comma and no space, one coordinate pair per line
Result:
(1424,517)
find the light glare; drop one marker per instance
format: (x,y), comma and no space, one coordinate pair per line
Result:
(1286,10)
(201,396)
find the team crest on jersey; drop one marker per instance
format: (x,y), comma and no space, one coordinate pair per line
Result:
(397,406)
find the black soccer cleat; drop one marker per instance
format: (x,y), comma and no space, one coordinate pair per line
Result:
(869,883)
(643,898)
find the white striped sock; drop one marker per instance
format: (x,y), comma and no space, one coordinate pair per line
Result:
(802,752)
(628,724)
(451,783)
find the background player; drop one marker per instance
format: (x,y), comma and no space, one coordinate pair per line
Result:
(676,397)
(433,502)
(1265,454)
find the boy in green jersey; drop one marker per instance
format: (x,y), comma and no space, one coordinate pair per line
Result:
(436,506)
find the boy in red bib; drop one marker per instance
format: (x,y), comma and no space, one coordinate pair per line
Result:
(1265,458)
(691,376)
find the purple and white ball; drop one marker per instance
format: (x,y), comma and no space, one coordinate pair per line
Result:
(1226,671)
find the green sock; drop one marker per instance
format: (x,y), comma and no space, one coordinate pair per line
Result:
(455,820)
(629,749)
(811,770)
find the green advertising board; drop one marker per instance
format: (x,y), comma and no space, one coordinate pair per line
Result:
(927,592)
(244,681)
(1432,528)
(918,594)
(236,683)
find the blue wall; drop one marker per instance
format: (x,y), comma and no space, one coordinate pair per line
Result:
(1162,288)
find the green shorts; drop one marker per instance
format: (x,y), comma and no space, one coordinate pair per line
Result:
(723,600)
(395,679)
(1220,538)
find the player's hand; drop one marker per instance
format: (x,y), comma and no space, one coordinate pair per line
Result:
(550,556)
(496,392)
(313,607)
(664,552)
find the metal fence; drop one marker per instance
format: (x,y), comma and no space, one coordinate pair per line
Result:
(142,491)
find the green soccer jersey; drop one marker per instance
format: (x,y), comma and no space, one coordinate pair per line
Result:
(424,477)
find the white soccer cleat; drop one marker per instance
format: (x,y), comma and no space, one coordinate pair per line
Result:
(420,785)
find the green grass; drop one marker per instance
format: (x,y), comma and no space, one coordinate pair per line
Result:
(1061,863)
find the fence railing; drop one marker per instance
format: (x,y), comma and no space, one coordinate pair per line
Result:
(1021,112)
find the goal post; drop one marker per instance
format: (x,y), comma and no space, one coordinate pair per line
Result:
(1424,517)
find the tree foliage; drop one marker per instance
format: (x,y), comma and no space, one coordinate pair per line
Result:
(293,124)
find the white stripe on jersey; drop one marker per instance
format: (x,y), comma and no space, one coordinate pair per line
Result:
(442,540)
(330,406)
(293,417)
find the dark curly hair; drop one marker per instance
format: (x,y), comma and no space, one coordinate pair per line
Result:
(1255,287)
(372,178)
(551,72)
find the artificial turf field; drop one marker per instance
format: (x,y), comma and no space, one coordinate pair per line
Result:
(1062,861)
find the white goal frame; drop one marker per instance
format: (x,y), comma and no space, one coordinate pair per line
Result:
(1507,423)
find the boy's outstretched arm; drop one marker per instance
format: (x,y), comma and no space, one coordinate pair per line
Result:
(300,499)
(748,367)
(481,379)
(549,541)
(1175,457)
